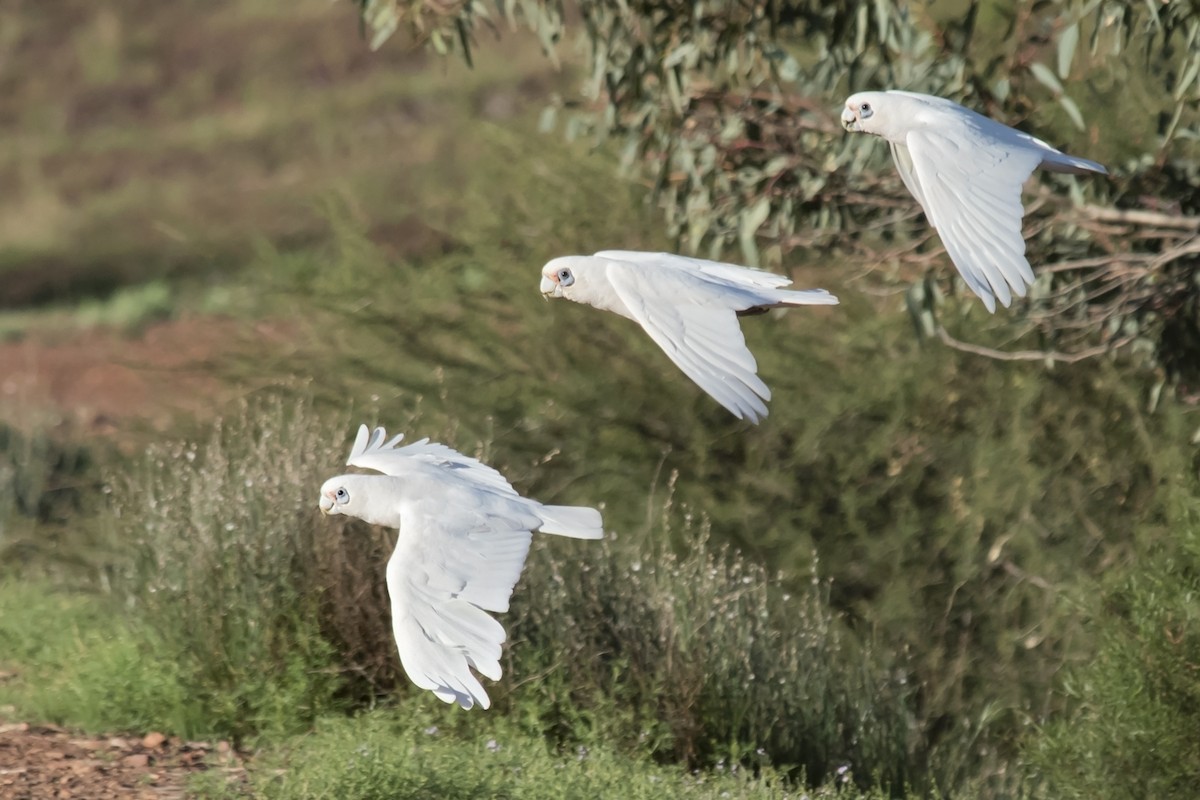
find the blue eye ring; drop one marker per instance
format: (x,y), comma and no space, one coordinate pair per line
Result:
(341,496)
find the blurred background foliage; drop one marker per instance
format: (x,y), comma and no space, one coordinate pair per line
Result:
(729,111)
(925,574)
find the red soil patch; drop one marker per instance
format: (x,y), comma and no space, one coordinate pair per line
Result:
(102,380)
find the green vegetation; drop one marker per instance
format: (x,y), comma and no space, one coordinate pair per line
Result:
(1137,703)
(79,658)
(420,752)
(47,485)
(223,537)
(924,574)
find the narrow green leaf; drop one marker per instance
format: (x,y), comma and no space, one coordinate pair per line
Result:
(1072,110)
(1066,49)
(1001,89)
(1044,76)
(789,69)
(777,165)
(1188,78)
(752,220)
(439,43)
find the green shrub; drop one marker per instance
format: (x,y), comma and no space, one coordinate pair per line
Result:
(128,308)
(1133,732)
(702,658)
(226,541)
(46,482)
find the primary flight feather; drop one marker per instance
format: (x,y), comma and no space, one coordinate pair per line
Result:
(966,171)
(464,535)
(690,308)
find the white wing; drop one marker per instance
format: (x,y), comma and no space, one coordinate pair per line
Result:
(373,450)
(904,166)
(696,324)
(458,556)
(1000,135)
(730,273)
(970,187)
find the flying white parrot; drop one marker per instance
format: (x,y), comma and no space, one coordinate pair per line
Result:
(464,535)
(690,308)
(966,171)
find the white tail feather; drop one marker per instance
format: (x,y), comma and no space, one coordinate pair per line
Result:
(577,522)
(805,297)
(1061,162)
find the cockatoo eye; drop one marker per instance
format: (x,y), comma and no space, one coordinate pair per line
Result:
(864,110)
(565,278)
(341,496)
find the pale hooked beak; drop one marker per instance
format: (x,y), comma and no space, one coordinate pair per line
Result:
(550,287)
(326,504)
(850,119)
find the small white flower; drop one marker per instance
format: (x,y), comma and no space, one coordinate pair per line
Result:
(492,746)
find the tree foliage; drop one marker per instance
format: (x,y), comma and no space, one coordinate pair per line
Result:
(729,110)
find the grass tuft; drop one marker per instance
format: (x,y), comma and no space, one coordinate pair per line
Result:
(77,659)
(417,752)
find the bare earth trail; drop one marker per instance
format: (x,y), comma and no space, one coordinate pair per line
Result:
(45,761)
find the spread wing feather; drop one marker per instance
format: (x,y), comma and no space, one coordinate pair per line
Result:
(371,451)
(971,192)
(457,557)
(696,325)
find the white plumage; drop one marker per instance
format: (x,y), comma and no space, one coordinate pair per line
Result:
(966,171)
(464,535)
(690,308)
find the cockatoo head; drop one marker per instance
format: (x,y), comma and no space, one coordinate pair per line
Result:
(858,116)
(558,276)
(351,495)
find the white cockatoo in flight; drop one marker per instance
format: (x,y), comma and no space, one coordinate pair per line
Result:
(966,171)
(464,535)
(690,308)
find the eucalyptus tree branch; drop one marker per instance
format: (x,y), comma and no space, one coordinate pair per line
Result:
(1030,355)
